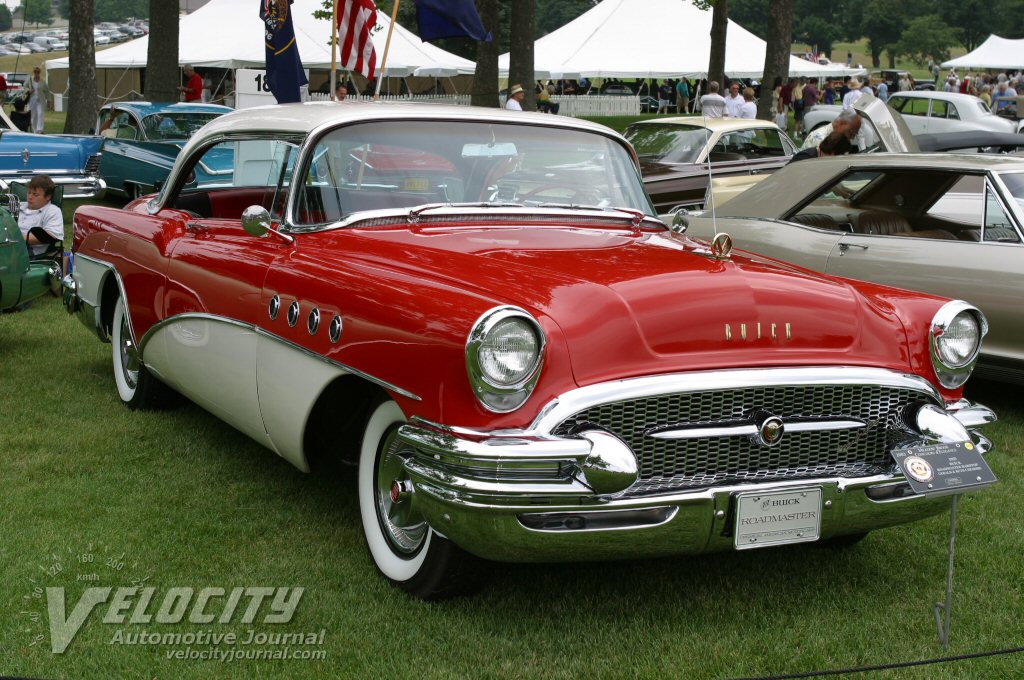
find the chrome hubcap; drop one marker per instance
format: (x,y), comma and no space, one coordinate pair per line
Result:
(129,357)
(405,529)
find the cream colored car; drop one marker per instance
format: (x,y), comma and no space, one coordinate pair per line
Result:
(946,224)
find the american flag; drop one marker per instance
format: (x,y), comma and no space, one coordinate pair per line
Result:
(356,19)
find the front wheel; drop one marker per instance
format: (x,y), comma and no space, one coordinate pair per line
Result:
(405,549)
(136,386)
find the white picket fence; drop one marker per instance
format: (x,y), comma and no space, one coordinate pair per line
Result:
(569,105)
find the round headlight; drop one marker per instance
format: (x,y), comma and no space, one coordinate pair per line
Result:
(960,341)
(508,353)
(504,354)
(955,338)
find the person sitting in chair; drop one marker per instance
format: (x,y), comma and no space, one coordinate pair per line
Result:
(40,221)
(21,118)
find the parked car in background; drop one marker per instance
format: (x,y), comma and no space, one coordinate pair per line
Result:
(21,279)
(141,140)
(678,156)
(72,161)
(946,224)
(929,112)
(524,362)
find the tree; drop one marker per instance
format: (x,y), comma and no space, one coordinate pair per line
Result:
(927,36)
(719,29)
(162,73)
(551,16)
(6,20)
(776,54)
(520,67)
(37,11)
(485,81)
(119,10)
(83,104)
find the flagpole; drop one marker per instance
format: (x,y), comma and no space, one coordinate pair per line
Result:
(334,49)
(384,60)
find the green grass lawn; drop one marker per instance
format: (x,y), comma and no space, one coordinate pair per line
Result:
(178,499)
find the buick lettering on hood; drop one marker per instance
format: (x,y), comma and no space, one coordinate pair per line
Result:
(483,311)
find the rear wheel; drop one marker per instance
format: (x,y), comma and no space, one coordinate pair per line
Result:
(405,549)
(136,386)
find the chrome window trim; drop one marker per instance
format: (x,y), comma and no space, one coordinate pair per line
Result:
(582,398)
(205,316)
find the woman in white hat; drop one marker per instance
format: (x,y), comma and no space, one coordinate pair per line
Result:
(515,98)
(853,95)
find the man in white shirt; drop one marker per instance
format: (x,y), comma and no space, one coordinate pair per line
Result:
(734,101)
(515,98)
(853,95)
(40,221)
(713,104)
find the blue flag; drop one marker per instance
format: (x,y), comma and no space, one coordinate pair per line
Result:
(450,19)
(284,67)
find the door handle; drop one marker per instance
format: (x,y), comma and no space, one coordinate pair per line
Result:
(755,171)
(197,227)
(843,247)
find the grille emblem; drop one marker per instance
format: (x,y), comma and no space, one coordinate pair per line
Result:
(721,246)
(26,155)
(770,431)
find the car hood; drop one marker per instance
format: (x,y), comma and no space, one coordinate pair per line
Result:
(892,130)
(653,301)
(24,151)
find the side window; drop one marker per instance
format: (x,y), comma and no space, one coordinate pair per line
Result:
(230,176)
(125,127)
(951,111)
(911,106)
(962,202)
(998,225)
(767,143)
(831,208)
(939,108)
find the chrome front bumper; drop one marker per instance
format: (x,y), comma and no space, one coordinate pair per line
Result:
(521,498)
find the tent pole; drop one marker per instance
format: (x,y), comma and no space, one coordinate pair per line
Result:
(334,48)
(387,46)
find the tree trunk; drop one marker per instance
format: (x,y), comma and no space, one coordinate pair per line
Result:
(485,82)
(81,105)
(719,27)
(776,54)
(163,75)
(520,67)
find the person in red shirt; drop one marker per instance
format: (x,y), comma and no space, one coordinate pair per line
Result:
(194,89)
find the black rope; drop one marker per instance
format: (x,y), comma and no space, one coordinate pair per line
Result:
(887,666)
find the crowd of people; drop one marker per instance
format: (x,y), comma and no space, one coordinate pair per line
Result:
(997,91)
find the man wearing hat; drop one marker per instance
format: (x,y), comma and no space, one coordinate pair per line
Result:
(515,98)
(853,95)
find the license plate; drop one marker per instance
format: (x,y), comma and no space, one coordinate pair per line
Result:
(777,517)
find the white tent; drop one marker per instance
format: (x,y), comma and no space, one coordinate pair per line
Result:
(995,52)
(229,34)
(652,39)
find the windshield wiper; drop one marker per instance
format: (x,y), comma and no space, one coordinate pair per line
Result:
(638,215)
(414,213)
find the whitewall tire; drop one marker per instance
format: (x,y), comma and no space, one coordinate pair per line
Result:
(402,544)
(137,387)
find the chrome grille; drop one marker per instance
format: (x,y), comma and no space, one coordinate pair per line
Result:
(92,166)
(677,464)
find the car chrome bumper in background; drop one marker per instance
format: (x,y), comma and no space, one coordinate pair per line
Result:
(522,497)
(75,185)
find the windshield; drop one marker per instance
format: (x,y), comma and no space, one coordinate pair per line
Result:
(668,143)
(176,125)
(403,164)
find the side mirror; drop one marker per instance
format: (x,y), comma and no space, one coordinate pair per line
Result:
(679,223)
(256,222)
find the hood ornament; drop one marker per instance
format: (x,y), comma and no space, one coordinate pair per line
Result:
(721,246)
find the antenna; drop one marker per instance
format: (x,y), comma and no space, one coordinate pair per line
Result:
(711,178)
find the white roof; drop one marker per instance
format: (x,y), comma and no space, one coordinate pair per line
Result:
(229,34)
(995,52)
(652,39)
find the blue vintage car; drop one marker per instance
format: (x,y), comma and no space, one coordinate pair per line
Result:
(72,161)
(141,141)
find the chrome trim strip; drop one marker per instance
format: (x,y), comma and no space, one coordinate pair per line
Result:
(751,429)
(582,398)
(205,316)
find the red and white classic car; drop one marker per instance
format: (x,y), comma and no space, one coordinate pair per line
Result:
(481,308)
